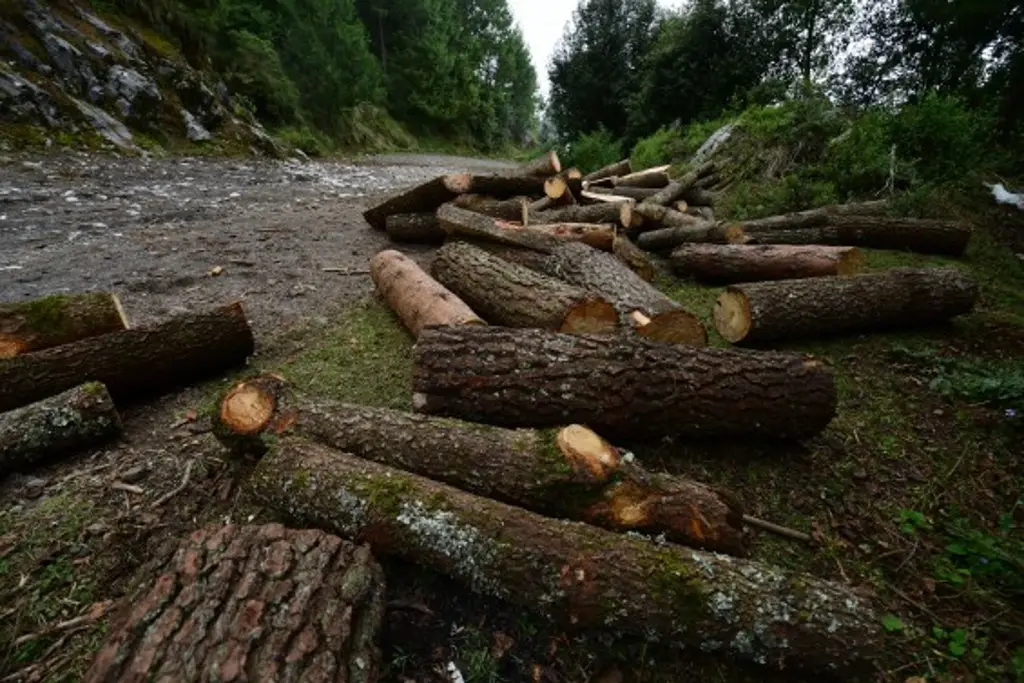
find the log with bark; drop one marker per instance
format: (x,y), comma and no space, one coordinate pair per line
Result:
(508,294)
(634,257)
(656,217)
(606,198)
(597,213)
(637,193)
(743,263)
(505,209)
(50,321)
(901,298)
(569,472)
(700,232)
(545,165)
(622,387)
(946,237)
(544,237)
(619,168)
(237,603)
(556,193)
(133,363)
(696,196)
(69,422)
(414,228)
(814,217)
(416,298)
(656,177)
(574,573)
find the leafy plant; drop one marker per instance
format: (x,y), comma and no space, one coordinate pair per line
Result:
(892,623)
(911,521)
(992,560)
(592,151)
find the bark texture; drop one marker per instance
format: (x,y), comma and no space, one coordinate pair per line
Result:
(652,177)
(251,603)
(423,198)
(622,387)
(59,319)
(814,217)
(901,298)
(458,222)
(508,294)
(573,572)
(133,363)
(696,196)
(569,472)
(414,228)
(656,216)
(69,422)
(634,257)
(619,168)
(744,263)
(505,209)
(416,298)
(506,186)
(597,213)
(700,232)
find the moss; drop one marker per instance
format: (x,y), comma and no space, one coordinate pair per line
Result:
(384,493)
(300,479)
(675,583)
(95,388)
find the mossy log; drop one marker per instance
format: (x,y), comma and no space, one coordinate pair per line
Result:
(505,209)
(634,257)
(414,228)
(622,386)
(571,572)
(569,472)
(700,232)
(69,422)
(50,321)
(744,263)
(901,298)
(133,363)
(239,603)
(508,294)
(416,298)
(619,168)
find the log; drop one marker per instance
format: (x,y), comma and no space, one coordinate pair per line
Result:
(574,573)
(656,217)
(423,198)
(945,237)
(815,217)
(699,197)
(570,473)
(505,209)
(630,219)
(606,198)
(416,298)
(557,192)
(637,193)
(69,422)
(622,387)
(634,257)
(597,213)
(901,298)
(237,603)
(506,186)
(133,363)
(653,177)
(619,168)
(50,321)
(668,194)
(640,305)
(508,294)
(705,212)
(670,238)
(545,165)
(543,237)
(414,228)
(740,263)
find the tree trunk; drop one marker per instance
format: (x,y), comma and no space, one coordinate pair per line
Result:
(73,421)
(670,238)
(133,363)
(814,217)
(423,198)
(668,194)
(656,217)
(540,237)
(597,213)
(238,603)
(698,197)
(634,257)
(416,298)
(637,193)
(414,228)
(622,387)
(572,572)
(901,298)
(948,238)
(508,294)
(545,165)
(58,319)
(506,186)
(653,177)
(570,472)
(505,209)
(606,198)
(640,305)
(740,263)
(619,168)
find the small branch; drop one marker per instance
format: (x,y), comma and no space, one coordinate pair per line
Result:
(96,612)
(345,271)
(128,488)
(785,532)
(178,489)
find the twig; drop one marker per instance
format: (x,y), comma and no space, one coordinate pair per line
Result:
(128,488)
(785,532)
(910,601)
(344,271)
(410,606)
(95,614)
(178,489)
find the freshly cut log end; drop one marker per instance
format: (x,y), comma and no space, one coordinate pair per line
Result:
(416,298)
(69,422)
(544,165)
(592,316)
(588,451)
(58,319)
(732,316)
(675,327)
(422,198)
(247,407)
(280,604)
(556,188)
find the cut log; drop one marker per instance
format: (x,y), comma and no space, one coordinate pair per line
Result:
(508,294)
(640,305)
(574,573)
(656,217)
(505,209)
(637,193)
(503,187)
(948,238)
(606,198)
(59,319)
(544,166)
(901,298)
(570,472)
(543,237)
(423,198)
(596,213)
(133,363)
(622,387)
(416,298)
(619,168)
(814,217)
(670,238)
(630,219)
(414,228)
(740,263)
(698,197)
(705,212)
(668,194)
(69,422)
(634,257)
(282,605)
(653,177)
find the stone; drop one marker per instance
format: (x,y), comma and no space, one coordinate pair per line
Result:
(73,66)
(135,95)
(33,487)
(193,129)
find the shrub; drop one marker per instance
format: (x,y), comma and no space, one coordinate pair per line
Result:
(312,142)
(254,71)
(370,128)
(655,150)
(592,151)
(941,138)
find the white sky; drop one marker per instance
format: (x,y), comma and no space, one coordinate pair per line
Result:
(542,23)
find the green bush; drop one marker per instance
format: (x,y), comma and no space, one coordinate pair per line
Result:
(592,151)
(367,127)
(253,70)
(658,149)
(859,160)
(312,142)
(942,139)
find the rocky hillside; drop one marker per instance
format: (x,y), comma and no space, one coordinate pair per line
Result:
(71,76)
